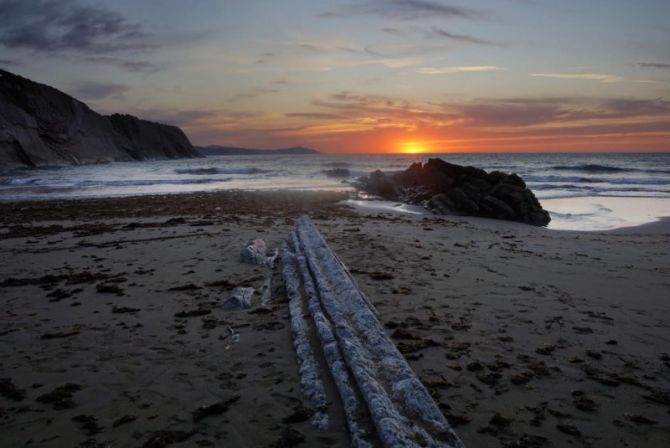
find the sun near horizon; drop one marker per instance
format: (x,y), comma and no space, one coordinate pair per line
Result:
(412,148)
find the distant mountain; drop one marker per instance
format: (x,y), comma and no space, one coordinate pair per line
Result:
(217,150)
(40,126)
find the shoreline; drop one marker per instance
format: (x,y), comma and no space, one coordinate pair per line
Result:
(206,202)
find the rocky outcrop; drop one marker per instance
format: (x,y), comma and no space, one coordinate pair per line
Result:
(147,140)
(40,125)
(447,188)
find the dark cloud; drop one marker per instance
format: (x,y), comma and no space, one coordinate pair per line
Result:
(314,115)
(528,112)
(512,112)
(95,90)
(439,32)
(127,65)
(653,65)
(509,113)
(178,117)
(196,118)
(626,107)
(382,111)
(253,92)
(50,26)
(138,66)
(320,47)
(403,10)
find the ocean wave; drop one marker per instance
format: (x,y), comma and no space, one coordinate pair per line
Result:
(148,182)
(337,164)
(214,170)
(337,172)
(550,186)
(596,180)
(594,168)
(599,189)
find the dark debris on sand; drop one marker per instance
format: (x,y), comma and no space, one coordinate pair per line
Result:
(61,397)
(288,438)
(10,391)
(166,437)
(88,423)
(300,414)
(214,409)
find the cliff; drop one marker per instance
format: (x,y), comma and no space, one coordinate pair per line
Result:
(40,126)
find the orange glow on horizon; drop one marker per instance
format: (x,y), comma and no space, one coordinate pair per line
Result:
(413,148)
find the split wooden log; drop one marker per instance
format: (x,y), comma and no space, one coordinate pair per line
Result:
(355,411)
(372,377)
(310,376)
(266,289)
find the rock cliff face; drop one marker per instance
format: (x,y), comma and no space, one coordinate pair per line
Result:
(40,125)
(147,140)
(462,190)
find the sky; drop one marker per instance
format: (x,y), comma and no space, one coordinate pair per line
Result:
(362,76)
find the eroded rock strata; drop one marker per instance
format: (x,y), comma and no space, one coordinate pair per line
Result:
(41,126)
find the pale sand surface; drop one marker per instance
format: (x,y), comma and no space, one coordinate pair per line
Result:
(519,332)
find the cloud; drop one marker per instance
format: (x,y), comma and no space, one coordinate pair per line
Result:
(461,69)
(127,65)
(601,77)
(359,121)
(626,106)
(439,32)
(253,92)
(339,45)
(196,118)
(95,90)
(364,112)
(351,112)
(314,115)
(514,112)
(404,10)
(653,65)
(49,26)
(366,54)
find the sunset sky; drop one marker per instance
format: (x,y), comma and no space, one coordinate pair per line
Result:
(362,76)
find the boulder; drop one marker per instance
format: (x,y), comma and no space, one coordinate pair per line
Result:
(448,188)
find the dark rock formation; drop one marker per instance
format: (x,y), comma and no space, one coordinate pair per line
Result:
(462,190)
(147,140)
(40,125)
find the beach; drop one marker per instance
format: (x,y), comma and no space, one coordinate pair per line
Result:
(113,331)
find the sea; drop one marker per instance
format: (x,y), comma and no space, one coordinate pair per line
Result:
(581,191)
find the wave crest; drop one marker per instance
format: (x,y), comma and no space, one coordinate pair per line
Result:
(594,168)
(215,170)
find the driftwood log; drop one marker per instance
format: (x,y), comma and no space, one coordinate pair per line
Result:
(384,402)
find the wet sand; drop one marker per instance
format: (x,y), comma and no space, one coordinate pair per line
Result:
(113,332)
